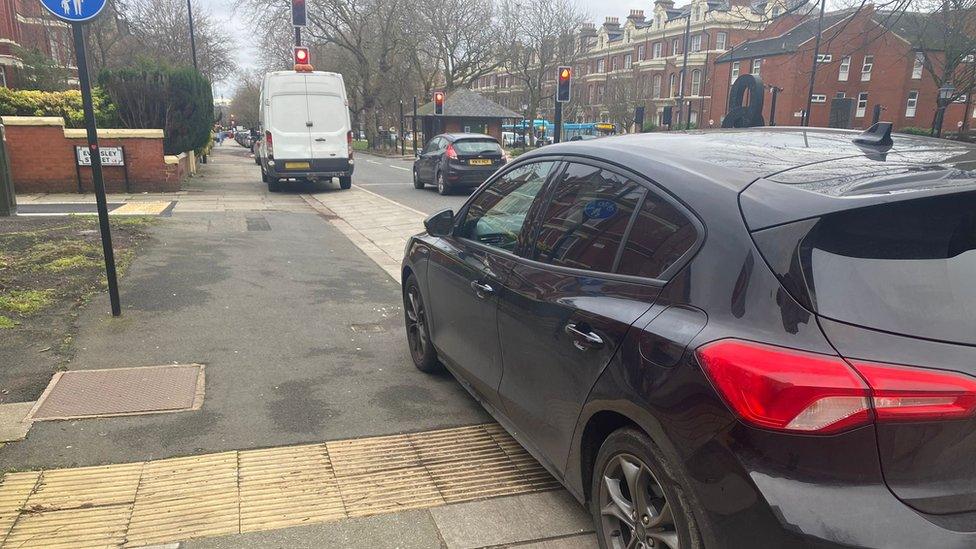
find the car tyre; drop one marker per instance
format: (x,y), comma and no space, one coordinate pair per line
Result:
(345,182)
(417,183)
(442,187)
(274,184)
(630,463)
(418,334)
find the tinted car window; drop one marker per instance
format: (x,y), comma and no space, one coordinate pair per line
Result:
(586,218)
(659,236)
(496,215)
(477,146)
(432,145)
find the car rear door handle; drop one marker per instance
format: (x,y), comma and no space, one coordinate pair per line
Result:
(481,289)
(583,340)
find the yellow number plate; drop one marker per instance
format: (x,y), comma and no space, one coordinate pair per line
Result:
(480,162)
(296,165)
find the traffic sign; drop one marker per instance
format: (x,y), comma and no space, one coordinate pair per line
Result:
(74,10)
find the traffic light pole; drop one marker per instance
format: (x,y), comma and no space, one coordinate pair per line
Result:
(558,122)
(298,36)
(96,167)
(413,125)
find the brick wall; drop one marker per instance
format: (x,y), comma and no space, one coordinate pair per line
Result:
(42,158)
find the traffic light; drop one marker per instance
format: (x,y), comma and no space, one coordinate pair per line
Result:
(298,13)
(438,102)
(565,79)
(302,59)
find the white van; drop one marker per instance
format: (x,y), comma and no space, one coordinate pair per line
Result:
(307,131)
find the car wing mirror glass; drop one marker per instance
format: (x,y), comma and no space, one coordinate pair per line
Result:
(440,223)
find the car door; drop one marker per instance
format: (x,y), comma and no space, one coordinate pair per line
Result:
(425,163)
(568,304)
(289,121)
(465,272)
(329,124)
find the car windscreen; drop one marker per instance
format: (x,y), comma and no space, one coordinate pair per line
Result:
(906,267)
(477,146)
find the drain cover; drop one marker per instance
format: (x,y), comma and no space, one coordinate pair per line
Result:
(121,391)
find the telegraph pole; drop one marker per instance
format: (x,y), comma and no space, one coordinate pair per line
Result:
(193,40)
(816,60)
(684,69)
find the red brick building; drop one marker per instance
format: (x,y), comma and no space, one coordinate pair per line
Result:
(26,24)
(868,58)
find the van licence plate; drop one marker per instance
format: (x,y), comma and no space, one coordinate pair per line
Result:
(296,165)
(480,162)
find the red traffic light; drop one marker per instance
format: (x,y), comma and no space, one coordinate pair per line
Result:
(438,102)
(301,56)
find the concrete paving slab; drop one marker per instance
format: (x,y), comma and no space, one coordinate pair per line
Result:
(14,424)
(585,541)
(511,520)
(404,530)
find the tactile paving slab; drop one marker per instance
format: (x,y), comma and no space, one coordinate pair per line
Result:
(121,391)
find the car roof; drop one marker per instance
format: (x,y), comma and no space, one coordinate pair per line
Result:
(461,135)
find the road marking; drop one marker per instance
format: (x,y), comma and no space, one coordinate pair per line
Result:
(373,161)
(168,500)
(399,167)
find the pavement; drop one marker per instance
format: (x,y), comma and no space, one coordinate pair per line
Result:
(290,300)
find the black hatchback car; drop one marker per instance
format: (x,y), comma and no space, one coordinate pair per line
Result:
(742,338)
(457,161)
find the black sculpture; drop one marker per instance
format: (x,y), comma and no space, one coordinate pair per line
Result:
(750,115)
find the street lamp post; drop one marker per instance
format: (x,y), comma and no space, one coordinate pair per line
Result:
(193,41)
(945,94)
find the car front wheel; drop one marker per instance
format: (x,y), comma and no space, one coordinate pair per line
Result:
(635,501)
(418,335)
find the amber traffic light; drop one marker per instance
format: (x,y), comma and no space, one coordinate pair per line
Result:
(438,102)
(565,79)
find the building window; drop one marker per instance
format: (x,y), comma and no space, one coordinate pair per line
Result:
(600,92)
(641,51)
(735,70)
(697,13)
(696,82)
(912,104)
(825,58)
(657,21)
(696,42)
(840,95)
(675,47)
(845,69)
(866,68)
(656,52)
(721,39)
(601,65)
(917,67)
(628,61)
(672,86)
(818,98)
(656,91)
(756,66)
(613,64)
(862,104)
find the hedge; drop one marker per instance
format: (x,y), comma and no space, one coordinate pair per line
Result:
(66,104)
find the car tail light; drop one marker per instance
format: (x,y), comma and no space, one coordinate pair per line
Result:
(450,152)
(269,144)
(796,391)
(349,143)
(902,393)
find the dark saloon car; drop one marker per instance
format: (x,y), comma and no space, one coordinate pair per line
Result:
(759,338)
(457,161)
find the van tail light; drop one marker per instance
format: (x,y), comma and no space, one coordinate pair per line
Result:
(349,143)
(269,144)
(796,391)
(450,152)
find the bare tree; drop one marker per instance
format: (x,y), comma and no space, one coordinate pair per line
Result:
(461,36)
(246,101)
(539,35)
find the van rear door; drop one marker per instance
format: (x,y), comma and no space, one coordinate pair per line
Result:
(289,120)
(329,117)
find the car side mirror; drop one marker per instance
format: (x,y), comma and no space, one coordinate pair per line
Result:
(440,223)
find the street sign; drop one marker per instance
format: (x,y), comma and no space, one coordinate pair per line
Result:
(111,156)
(74,10)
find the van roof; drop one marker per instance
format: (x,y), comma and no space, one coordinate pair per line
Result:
(293,73)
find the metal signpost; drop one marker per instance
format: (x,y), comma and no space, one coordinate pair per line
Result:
(76,12)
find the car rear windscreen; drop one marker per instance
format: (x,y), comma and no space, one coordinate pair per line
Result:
(907,267)
(477,146)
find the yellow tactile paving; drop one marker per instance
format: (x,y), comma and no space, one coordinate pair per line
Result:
(141,208)
(170,500)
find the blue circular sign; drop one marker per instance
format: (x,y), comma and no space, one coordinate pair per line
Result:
(600,209)
(74,10)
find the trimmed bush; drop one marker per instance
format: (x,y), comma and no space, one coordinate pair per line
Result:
(66,104)
(912,130)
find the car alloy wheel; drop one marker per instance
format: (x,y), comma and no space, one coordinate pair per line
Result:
(416,324)
(441,184)
(635,512)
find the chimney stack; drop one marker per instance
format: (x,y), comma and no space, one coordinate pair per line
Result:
(637,16)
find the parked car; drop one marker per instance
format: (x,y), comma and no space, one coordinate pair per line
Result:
(746,338)
(307,129)
(457,161)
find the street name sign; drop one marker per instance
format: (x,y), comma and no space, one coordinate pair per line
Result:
(111,156)
(74,11)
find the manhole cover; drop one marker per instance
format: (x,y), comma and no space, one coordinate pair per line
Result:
(367,327)
(121,391)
